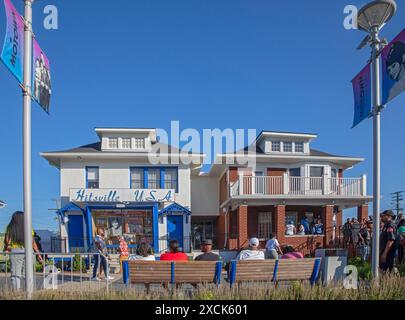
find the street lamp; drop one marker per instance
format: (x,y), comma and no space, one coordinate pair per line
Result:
(371,18)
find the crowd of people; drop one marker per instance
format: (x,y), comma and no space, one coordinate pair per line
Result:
(392,238)
(304,227)
(355,233)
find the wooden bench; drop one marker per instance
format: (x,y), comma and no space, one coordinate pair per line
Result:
(167,272)
(274,270)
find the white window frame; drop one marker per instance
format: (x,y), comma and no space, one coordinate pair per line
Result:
(110,140)
(274,143)
(288,143)
(139,143)
(125,140)
(299,143)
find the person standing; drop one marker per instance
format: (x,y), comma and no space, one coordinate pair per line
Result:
(364,242)
(347,232)
(273,248)
(290,229)
(387,241)
(208,255)
(305,223)
(318,227)
(14,244)
(101,255)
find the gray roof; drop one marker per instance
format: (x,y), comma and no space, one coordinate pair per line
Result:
(96,148)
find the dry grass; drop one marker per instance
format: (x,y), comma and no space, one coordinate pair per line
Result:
(390,287)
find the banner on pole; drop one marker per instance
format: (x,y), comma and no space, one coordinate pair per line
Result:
(393,67)
(41,77)
(12,54)
(362,95)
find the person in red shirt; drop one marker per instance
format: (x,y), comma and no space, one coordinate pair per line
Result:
(174,254)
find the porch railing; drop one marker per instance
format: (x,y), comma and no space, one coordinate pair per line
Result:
(293,186)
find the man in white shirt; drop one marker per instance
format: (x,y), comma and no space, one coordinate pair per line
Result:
(290,229)
(253,253)
(273,248)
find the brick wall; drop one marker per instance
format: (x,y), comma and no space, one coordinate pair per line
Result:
(362,212)
(243,225)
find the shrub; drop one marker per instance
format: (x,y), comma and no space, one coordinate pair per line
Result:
(363,268)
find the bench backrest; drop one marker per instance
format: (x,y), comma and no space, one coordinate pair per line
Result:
(274,270)
(172,272)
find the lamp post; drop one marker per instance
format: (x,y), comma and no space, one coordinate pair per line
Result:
(29,262)
(371,18)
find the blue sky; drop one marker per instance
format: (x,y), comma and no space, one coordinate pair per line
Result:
(258,64)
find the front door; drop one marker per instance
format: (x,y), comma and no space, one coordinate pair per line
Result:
(175,229)
(75,231)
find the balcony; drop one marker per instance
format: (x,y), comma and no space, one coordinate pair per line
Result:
(299,186)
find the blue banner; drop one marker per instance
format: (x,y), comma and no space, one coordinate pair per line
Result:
(13,49)
(362,95)
(393,68)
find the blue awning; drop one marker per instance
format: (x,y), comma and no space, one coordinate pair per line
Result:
(175,207)
(69,207)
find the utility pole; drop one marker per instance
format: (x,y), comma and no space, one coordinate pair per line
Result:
(397,198)
(29,261)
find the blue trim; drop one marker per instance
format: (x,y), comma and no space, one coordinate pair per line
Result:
(175,207)
(86,172)
(275,272)
(125,272)
(145,178)
(315,272)
(89,227)
(218,272)
(172,277)
(155,223)
(162,176)
(233,273)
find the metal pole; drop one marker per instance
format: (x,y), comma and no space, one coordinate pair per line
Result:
(29,266)
(376,152)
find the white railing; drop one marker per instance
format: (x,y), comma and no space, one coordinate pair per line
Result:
(312,186)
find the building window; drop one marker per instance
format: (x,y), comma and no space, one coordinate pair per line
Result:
(113,143)
(265,226)
(276,146)
(139,143)
(299,147)
(170,178)
(126,143)
(287,147)
(291,217)
(137,178)
(153,178)
(92,178)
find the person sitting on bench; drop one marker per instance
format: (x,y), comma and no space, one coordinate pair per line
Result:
(175,254)
(290,253)
(253,253)
(208,255)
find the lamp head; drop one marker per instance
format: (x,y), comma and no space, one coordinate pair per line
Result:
(376,14)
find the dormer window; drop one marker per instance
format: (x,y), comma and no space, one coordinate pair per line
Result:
(113,143)
(139,143)
(126,143)
(287,147)
(276,146)
(299,147)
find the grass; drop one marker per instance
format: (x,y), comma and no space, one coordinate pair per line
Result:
(390,287)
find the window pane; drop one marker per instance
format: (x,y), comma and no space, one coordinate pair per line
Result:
(170,178)
(264,225)
(275,146)
(113,143)
(299,147)
(316,172)
(154,179)
(126,143)
(92,178)
(287,146)
(139,143)
(137,178)
(295,172)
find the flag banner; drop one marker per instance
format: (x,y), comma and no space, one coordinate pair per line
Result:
(362,95)
(41,82)
(13,49)
(393,67)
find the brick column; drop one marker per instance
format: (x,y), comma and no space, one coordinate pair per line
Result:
(362,212)
(279,223)
(243,226)
(327,217)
